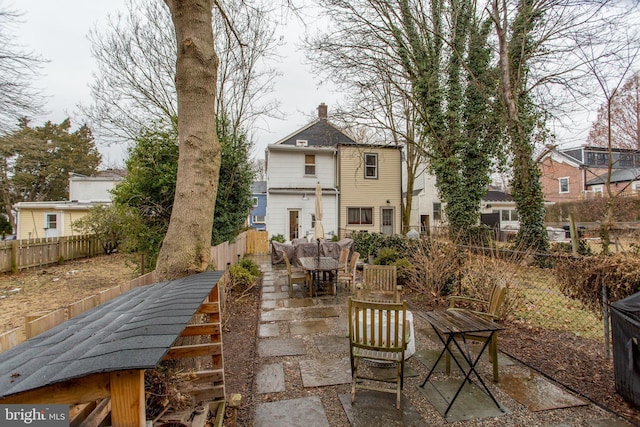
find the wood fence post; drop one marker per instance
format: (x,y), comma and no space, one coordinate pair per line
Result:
(64,250)
(15,255)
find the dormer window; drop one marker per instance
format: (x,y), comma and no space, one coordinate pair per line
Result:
(302,143)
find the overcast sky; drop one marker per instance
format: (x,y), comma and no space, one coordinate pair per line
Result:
(57,30)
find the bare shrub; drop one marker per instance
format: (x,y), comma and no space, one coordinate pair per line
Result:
(435,269)
(582,278)
(485,268)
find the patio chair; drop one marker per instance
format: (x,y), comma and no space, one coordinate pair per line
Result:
(377,333)
(294,276)
(379,283)
(348,277)
(343,261)
(491,311)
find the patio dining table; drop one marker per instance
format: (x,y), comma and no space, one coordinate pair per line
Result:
(317,265)
(452,327)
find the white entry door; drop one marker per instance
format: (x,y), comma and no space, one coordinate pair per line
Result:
(387,221)
(294,223)
(51,224)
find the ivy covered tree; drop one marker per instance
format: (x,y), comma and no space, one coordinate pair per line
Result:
(149,187)
(518,43)
(447,59)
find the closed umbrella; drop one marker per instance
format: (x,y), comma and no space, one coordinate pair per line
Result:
(318,230)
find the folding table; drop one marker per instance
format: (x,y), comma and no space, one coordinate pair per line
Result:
(452,327)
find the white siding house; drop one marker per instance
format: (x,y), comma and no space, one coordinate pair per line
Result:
(295,165)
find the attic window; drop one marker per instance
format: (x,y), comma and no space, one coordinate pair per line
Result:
(302,143)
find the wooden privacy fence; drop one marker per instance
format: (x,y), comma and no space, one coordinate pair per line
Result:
(37,323)
(36,252)
(18,255)
(257,242)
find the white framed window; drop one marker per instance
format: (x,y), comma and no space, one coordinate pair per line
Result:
(302,143)
(371,166)
(598,188)
(51,221)
(635,187)
(255,202)
(563,184)
(437,211)
(310,164)
(258,219)
(313,220)
(508,215)
(360,216)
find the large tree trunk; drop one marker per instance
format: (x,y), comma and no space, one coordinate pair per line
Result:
(186,246)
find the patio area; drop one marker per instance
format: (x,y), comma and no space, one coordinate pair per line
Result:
(303,375)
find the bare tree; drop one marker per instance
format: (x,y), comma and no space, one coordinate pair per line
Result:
(136,58)
(623,114)
(610,59)
(18,69)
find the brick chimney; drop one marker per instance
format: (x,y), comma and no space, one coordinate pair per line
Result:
(322,111)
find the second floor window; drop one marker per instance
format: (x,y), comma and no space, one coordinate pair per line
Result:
(360,216)
(255,202)
(309,164)
(437,212)
(371,165)
(563,185)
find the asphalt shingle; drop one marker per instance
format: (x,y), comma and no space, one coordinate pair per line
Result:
(132,331)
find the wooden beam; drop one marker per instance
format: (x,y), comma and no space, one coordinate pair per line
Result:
(195,350)
(127,398)
(98,415)
(209,308)
(78,413)
(211,375)
(201,329)
(80,390)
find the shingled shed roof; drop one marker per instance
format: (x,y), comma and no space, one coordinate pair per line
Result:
(132,331)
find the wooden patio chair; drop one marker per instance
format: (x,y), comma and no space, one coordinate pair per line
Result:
(294,276)
(343,261)
(348,277)
(379,283)
(377,333)
(491,311)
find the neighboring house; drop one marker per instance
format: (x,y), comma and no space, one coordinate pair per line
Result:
(427,210)
(426,207)
(567,173)
(370,183)
(54,218)
(625,181)
(499,202)
(258,213)
(358,190)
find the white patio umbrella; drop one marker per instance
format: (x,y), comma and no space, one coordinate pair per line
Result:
(318,230)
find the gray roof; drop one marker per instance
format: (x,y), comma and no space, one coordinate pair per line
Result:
(617,175)
(497,196)
(319,133)
(259,187)
(132,331)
